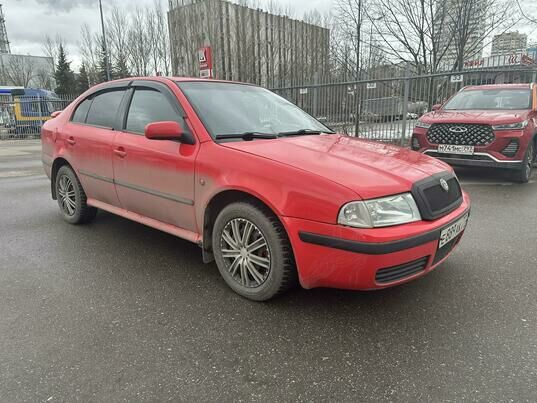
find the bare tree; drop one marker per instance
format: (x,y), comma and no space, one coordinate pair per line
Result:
(139,43)
(473,22)
(90,51)
(19,70)
(118,37)
(44,79)
(164,38)
(50,48)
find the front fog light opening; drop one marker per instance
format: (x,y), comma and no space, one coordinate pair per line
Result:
(511,149)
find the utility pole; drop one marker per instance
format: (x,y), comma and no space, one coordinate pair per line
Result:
(104,43)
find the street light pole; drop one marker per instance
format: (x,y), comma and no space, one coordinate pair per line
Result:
(104,43)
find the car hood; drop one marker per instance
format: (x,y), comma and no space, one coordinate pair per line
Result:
(486,117)
(369,168)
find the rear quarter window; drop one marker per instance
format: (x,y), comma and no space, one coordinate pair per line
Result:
(81,111)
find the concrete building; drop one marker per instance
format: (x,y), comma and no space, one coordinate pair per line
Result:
(509,42)
(26,71)
(247,44)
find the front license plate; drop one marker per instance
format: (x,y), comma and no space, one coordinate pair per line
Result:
(452,231)
(454,149)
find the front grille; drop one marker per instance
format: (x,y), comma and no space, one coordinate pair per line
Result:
(464,134)
(433,200)
(395,273)
(511,149)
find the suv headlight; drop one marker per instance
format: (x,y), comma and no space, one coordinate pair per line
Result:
(383,212)
(511,126)
(423,125)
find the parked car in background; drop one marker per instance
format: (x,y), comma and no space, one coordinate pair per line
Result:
(484,126)
(266,190)
(391,108)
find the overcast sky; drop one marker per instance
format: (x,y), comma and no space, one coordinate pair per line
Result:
(27,21)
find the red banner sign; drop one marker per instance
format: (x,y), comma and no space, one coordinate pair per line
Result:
(205,59)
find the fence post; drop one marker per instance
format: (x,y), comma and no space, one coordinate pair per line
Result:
(315,94)
(40,112)
(405,104)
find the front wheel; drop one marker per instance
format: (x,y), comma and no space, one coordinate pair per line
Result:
(72,198)
(252,251)
(523,175)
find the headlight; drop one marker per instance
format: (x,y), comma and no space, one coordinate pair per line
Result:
(422,125)
(511,126)
(392,210)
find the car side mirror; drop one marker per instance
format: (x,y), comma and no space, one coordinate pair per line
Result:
(436,107)
(55,114)
(167,130)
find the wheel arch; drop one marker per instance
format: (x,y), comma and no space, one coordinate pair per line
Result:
(56,165)
(216,204)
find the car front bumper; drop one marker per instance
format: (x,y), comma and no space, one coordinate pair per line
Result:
(484,160)
(335,256)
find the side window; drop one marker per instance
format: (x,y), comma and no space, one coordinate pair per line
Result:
(104,108)
(149,106)
(81,111)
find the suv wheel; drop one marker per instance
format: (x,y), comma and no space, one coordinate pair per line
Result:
(252,251)
(72,198)
(524,173)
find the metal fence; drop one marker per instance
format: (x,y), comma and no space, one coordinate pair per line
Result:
(387,109)
(384,109)
(21,117)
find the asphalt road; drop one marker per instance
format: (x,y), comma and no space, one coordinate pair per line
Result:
(116,311)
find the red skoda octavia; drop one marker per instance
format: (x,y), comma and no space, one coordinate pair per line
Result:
(268,192)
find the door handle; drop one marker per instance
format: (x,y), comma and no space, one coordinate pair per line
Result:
(120,152)
(71,140)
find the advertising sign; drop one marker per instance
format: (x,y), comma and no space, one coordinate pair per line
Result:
(205,59)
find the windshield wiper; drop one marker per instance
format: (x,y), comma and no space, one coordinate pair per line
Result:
(303,132)
(248,136)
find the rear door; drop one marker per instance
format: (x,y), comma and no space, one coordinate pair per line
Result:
(154,178)
(89,139)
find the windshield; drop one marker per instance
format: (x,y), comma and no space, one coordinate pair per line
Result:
(504,99)
(227,108)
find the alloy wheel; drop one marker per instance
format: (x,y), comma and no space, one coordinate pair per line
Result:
(529,162)
(245,252)
(67,195)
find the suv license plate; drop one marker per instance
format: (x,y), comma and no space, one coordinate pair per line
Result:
(454,149)
(451,232)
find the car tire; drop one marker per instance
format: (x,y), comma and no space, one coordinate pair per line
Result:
(523,174)
(71,198)
(252,251)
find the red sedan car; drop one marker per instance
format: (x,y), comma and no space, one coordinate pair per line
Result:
(493,126)
(266,190)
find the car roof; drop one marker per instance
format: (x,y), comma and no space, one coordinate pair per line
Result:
(497,87)
(177,79)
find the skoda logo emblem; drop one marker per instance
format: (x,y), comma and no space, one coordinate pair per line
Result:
(458,129)
(444,185)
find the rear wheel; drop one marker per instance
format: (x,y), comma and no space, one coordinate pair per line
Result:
(524,173)
(71,198)
(252,251)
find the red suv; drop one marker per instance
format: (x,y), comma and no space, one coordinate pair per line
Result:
(263,188)
(484,126)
